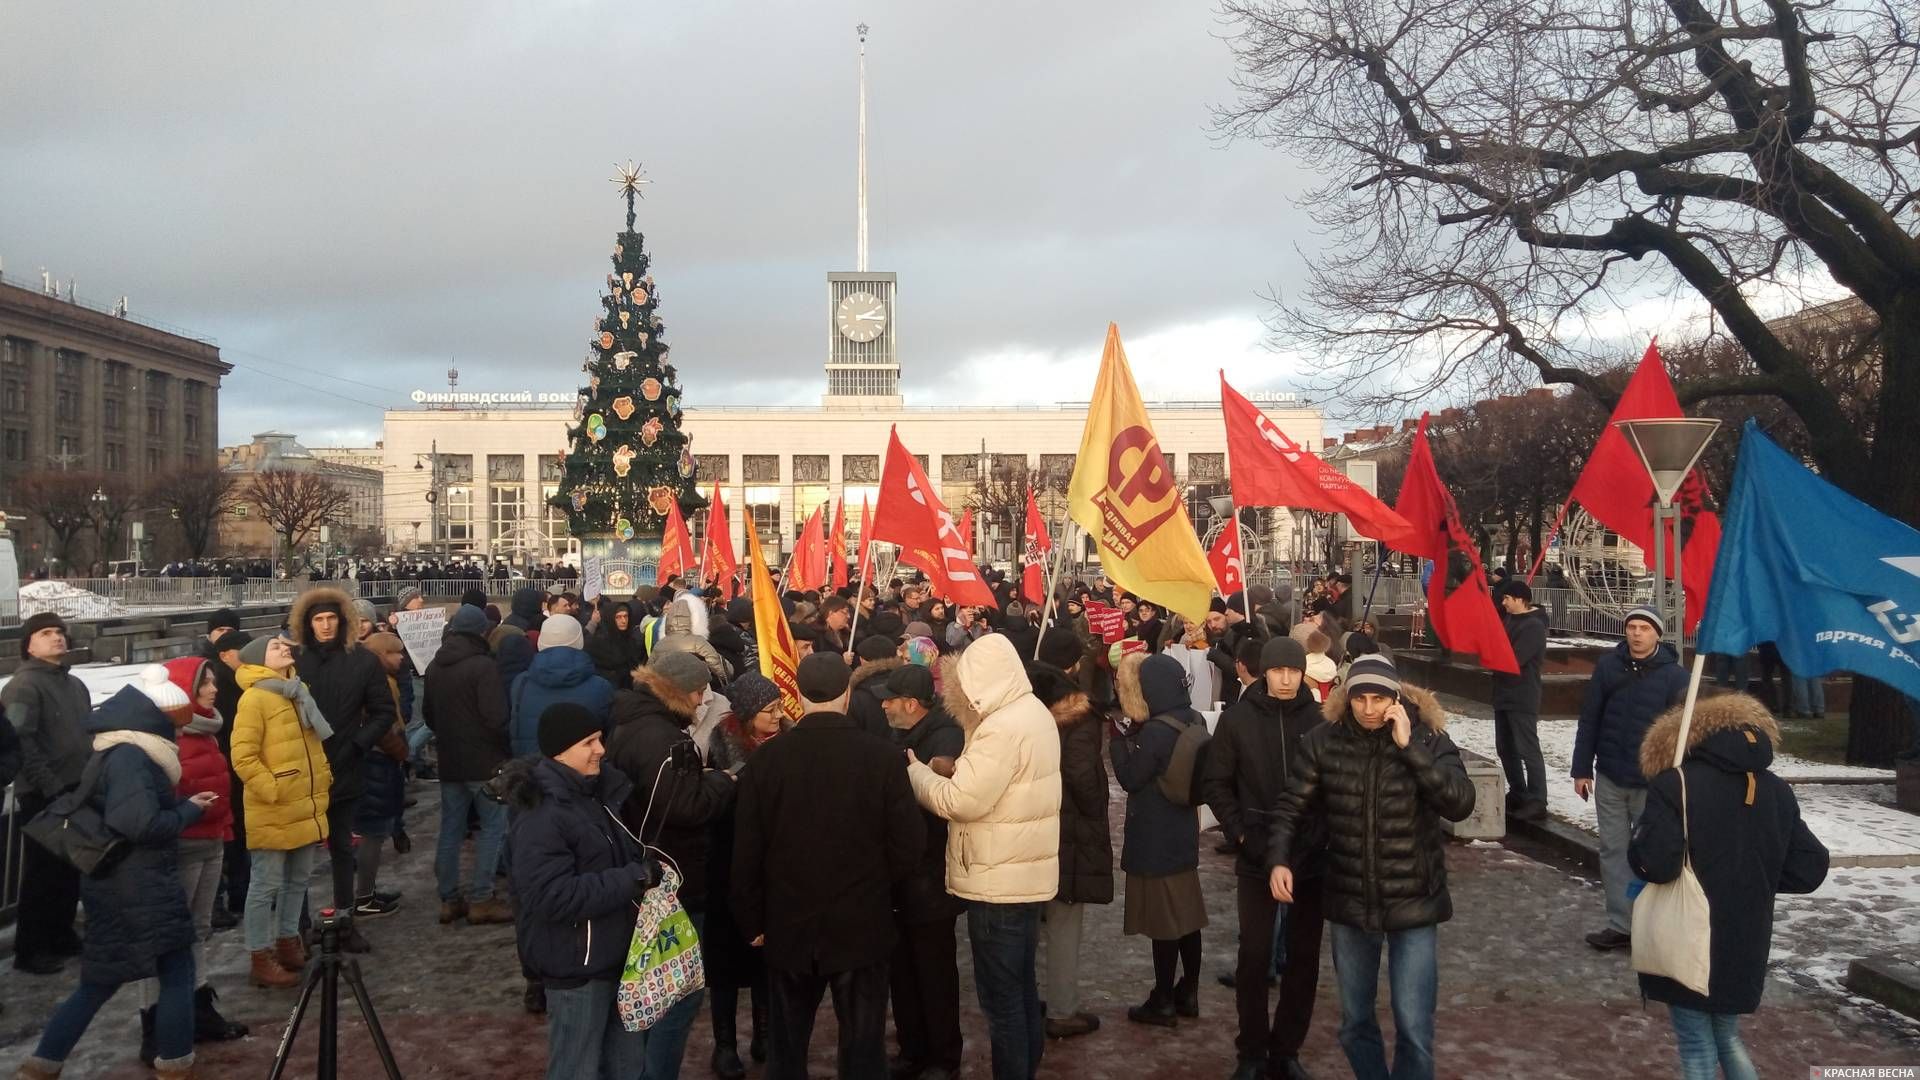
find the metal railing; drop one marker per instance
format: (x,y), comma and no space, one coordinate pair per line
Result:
(1566,611)
(156,595)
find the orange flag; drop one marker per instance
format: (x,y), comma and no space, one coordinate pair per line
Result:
(718,564)
(778,657)
(676,547)
(837,545)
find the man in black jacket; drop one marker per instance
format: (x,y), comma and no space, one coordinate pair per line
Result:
(47,708)
(672,804)
(1383,780)
(350,686)
(1248,764)
(1516,705)
(579,878)
(825,826)
(467,712)
(926,969)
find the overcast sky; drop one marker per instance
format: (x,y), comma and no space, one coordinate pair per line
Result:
(366,196)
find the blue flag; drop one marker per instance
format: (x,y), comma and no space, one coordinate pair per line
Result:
(1831,581)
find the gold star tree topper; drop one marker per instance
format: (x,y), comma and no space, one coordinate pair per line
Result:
(631,178)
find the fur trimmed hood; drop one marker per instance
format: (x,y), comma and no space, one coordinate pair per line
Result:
(984,679)
(669,696)
(303,606)
(1428,708)
(686,615)
(1126,686)
(1711,715)
(875,669)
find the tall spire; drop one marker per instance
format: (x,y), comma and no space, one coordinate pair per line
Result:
(860,252)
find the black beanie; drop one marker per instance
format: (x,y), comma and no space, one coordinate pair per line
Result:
(564,724)
(473,598)
(1061,647)
(36,623)
(223,619)
(1283,652)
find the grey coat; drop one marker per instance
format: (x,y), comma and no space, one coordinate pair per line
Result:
(48,709)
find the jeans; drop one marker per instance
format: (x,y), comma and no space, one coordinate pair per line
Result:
(200,861)
(417,731)
(859,1004)
(1618,809)
(455,800)
(276,896)
(585,1039)
(1707,1040)
(1413,978)
(173,1022)
(1516,739)
(1809,696)
(1276,1039)
(1064,922)
(667,1040)
(1006,943)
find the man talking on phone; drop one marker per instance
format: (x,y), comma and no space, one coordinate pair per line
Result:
(1384,773)
(1640,679)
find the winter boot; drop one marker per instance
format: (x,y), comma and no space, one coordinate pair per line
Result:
(484,912)
(292,953)
(726,1047)
(175,1069)
(1186,997)
(37,1069)
(147,1049)
(208,1024)
(1250,1069)
(1157,1010)
(452,911)
(1289,1069)
(268,974)
(757,1049)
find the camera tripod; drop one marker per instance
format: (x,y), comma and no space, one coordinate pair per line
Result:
(324,972)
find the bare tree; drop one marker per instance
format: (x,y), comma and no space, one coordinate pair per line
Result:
(197,500)
(60,499)
(113,499)
(296,502)
(1500,173)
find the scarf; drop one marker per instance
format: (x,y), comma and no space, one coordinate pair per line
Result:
(163,752)
(296,691)
(206,723)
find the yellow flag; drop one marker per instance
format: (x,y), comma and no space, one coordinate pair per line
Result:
(778,660)
(1123,494)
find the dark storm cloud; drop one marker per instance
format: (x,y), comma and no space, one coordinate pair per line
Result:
(372,192)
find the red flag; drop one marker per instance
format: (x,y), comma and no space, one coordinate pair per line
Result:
(866,537)
(807,566)
(717,563)
(1458,602)
(1616,490)
(676,547)
(1033,578)
(1228,570)
(966,530)
(1270,469)
(912,516)
(837,545)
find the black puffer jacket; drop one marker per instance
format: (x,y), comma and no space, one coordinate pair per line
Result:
(47,707)
(467,710)
(1521,693)
(1086,837)
(1746,835)
(1249,759)
(137,912)
(1386,853)
(922,896)
(678,818)
(350,685)
(577,875)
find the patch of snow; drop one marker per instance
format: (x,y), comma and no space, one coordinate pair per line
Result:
(1581,643)
(1485,844)
(1857,911)
(65,601)
(103,680)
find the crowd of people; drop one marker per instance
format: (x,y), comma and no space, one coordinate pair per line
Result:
(948,762)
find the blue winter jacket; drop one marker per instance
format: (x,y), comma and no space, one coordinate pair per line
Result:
(1623,698)
(556,675)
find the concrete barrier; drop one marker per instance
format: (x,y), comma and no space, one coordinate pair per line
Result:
(1489,818)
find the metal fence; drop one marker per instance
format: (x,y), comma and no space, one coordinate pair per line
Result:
(156,595)
(1566,611)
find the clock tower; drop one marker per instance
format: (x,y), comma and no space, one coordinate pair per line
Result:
(863,370)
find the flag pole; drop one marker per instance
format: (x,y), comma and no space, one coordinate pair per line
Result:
(1239,533)
(1379,563)
(859,592)
(1541,555)
(1053,580)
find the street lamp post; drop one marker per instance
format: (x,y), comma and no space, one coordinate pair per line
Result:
(1668,448)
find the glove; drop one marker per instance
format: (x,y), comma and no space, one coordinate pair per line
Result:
(648,876)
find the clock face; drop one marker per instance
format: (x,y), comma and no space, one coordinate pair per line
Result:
(860,317)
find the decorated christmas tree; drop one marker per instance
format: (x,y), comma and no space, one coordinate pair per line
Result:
(627,461)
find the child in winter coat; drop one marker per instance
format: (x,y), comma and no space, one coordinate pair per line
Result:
(1322,673)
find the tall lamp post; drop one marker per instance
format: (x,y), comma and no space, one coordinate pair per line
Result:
(1668,448)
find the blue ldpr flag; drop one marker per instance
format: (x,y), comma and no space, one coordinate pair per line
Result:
(1831,581)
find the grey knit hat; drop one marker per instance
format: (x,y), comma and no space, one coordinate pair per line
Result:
(683,669)
(1373,674)
(750,693)
(1649,616)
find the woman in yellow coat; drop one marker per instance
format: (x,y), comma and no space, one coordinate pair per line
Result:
(277,732)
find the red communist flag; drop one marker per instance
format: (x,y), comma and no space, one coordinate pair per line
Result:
(912,516)
(866,537)
(837,545)
(717,562)
(1270,469)
(1459,604)
(1033,574)
(1224,557)
(1616,490)
(676,547)
(807,566)
(966,530)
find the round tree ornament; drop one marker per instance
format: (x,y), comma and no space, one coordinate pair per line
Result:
(650,389)
(623,528)
(596,427)
(639,297)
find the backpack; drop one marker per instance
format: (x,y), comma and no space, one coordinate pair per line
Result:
(1180,783)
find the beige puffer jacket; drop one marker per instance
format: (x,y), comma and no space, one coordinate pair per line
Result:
(1004,796)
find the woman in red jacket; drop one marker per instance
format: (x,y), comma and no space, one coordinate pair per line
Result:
(184,689)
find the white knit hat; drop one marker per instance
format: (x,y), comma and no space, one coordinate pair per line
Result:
(561,632)
(157,684)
